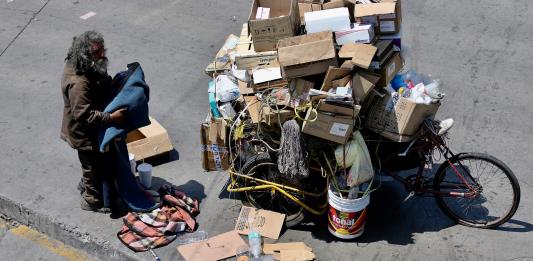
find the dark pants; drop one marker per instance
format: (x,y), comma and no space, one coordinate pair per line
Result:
(93,174)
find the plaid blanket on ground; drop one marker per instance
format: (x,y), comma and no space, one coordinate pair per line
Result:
(142,232)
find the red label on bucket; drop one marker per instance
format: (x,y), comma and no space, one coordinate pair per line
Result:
(346,223)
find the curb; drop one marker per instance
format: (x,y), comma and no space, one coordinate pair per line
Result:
(69,235)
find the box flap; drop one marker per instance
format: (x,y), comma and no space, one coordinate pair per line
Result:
(361,54)
(362,10)
(297,40)
(304,50)
(363,83)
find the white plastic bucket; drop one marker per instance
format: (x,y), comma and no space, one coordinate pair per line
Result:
(347,217)
(145,174)
(133,164)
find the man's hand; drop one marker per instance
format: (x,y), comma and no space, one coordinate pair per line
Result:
(118,116)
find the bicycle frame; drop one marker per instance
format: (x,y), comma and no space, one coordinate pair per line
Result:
(419,185)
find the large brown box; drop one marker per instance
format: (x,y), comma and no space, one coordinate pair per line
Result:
(148,141)
(215,153)
(336,128)
(285,22)
(307,54)
(402,118)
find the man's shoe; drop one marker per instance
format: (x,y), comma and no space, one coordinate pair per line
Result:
(81,188)
(88,207)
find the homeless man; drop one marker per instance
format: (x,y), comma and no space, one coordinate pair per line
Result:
(86,89)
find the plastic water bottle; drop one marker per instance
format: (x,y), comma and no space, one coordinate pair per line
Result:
(254,240)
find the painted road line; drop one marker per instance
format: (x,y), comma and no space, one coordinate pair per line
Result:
(49,244)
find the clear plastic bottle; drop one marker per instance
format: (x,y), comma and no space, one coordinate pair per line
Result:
(254,240)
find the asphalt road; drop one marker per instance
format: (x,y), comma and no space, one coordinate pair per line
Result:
(481,50)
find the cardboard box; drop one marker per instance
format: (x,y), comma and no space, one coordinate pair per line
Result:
(334,128)
(259,113)
(215,154)
(337,19)
(401,118)
(148,141)
(284,22)
(357,34)
(307,54)
(362,84)
(332,75)
(391,68)
(386,16)
(339,109)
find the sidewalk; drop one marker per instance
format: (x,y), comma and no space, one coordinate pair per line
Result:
(174,42)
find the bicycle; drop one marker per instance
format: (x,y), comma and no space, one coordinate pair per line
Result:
(463,189)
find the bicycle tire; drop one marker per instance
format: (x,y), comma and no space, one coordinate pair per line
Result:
(292,218)
(479,157)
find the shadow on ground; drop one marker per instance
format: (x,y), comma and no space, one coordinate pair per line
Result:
(389,218)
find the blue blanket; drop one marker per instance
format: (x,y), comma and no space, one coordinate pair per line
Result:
(134,96)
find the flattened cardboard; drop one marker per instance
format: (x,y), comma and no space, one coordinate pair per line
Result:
(404,119)
(361,54)
(289,251)
(216,248)
(333,128)
(284,22)
(363,83)
(148,141)
(268,223)
(296,255)
(222,60)
(306,54)
(250,60)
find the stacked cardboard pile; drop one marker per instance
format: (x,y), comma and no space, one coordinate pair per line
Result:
(326,63)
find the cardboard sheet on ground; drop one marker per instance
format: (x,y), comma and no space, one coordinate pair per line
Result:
(361,54)
(296,251)
(268,223)
(216,248)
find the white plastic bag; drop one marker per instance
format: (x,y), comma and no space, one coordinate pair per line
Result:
(358,158)
(226,88)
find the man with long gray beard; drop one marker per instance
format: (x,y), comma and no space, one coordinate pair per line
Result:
(86,89)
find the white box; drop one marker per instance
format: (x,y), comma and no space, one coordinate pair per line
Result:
(359,33)
(337,19)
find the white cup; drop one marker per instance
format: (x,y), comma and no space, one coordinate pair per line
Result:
(133,164)
(145,174)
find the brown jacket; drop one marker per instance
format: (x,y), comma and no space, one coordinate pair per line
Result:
(85,97)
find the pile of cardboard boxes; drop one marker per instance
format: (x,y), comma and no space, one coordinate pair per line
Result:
(332,58)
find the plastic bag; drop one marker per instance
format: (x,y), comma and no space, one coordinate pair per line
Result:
(358,158)
(226,88)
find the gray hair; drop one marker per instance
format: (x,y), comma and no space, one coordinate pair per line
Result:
(79,53)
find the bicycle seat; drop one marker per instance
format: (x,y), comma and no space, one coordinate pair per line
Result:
(445,126)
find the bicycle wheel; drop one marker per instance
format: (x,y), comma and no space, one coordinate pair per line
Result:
(263,167)
(497,192)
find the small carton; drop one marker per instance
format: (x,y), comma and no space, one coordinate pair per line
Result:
(215,154)
(401,116)
(386,16)
(148,141)
(336,128)
(307,54)
(363,33)
(337,19)
(391,68)
(283,22)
